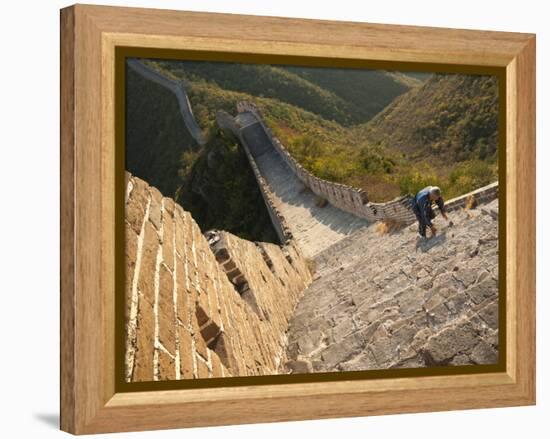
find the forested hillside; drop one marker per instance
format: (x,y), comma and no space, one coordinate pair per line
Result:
(367,92)
(447,130)
(454,116)
(345,96)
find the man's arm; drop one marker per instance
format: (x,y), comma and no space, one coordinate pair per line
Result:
(441,204)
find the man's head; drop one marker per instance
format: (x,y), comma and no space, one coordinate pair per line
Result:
(435,193)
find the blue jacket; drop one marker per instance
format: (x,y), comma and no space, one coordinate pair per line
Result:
(423,204)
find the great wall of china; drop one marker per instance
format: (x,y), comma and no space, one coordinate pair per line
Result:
(216,305)
(176,87)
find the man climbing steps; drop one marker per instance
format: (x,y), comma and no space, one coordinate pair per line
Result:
(422,208)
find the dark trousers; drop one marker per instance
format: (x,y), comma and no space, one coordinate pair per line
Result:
(421,223)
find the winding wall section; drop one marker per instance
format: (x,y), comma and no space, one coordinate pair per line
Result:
(294,208)
(293,195)
(176,87)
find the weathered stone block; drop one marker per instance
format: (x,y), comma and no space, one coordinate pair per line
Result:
(169,206)
(409,363)
(168,241)
(439,315)
(363,361)
(484,353)
(216,366)
(443,346)
(385,349)
(489,314)
(404,335)
(420,338)
(155,208)
(130,251)
(166,314)
(410,300)
(483,290)
(179,229)
(137,203)
(156,195)
(167,366)
(466,274)
(202,369)
(145,343)
(186,353)
(182,310)
(148,263)
(299,366)
(310,342)
(457,303)
(340,352)
(344,328)
(200,344)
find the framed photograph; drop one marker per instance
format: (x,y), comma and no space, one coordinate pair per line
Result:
(267,219)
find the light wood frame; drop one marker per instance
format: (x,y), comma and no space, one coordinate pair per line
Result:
(89,36)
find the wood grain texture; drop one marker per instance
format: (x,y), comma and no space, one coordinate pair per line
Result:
(525,233)
(89,36)
(67,360)
(334,38)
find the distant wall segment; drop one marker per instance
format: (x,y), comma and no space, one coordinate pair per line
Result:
(176,87)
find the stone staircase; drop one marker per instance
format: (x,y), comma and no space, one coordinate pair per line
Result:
(391,300)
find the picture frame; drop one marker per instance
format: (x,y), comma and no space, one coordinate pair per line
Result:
(91,399)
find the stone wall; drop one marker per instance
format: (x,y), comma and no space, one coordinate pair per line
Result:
(482,196)
(187,312)
(227,122)
(354,200)
(176,87)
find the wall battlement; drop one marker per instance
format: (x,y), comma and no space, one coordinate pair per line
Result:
(188,313)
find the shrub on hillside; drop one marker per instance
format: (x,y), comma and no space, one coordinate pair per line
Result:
(417,179)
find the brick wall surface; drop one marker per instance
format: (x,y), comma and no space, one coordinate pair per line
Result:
(187,314)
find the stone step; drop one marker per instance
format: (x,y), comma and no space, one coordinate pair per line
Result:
(391,300)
